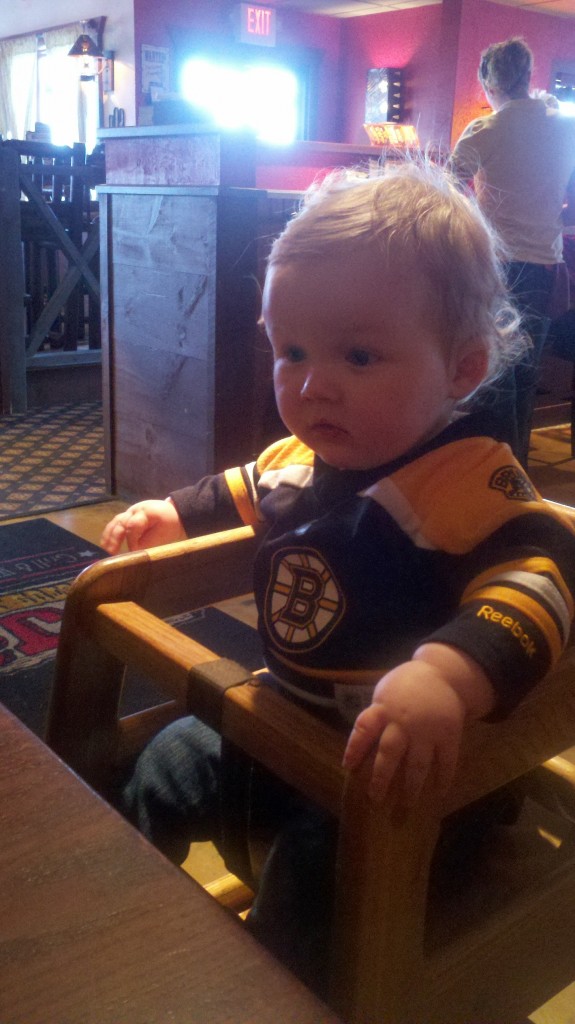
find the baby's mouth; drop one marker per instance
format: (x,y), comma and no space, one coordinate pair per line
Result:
(327,430)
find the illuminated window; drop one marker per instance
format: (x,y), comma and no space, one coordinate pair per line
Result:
(70,106)
(261,97)
(45,87)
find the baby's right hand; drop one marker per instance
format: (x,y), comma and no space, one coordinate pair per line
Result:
(143,525)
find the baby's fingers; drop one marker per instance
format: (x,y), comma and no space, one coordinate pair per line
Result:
(113,536)
(418,765)
(135,528)
(366,731)
(391,751)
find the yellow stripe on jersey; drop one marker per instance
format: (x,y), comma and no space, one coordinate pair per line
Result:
(518,602)
(454,497)
(241,496)
(289,451)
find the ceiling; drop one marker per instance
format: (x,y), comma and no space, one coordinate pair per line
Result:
(353,8)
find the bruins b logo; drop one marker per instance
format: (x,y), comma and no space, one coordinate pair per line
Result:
(304,602)
(514,484)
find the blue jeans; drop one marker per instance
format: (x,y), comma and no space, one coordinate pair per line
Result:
(173,795)
(509,402)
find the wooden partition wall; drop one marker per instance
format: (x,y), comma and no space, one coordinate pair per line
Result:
(184,236)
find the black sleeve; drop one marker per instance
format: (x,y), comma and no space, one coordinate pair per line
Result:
(515,613)
(206,507)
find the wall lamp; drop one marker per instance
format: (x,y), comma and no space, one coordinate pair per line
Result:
(93,59)
(85,46)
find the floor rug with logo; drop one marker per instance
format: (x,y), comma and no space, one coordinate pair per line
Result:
(38,562)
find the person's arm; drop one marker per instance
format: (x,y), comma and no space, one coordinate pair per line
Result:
(205,507)
(465,159)
(219,502)
(511,626)
(416,719)
(146,524)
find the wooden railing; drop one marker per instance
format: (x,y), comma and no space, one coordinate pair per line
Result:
(49,253)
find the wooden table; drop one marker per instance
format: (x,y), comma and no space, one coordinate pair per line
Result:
(96,926)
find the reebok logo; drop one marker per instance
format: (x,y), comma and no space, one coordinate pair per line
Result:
(507,622)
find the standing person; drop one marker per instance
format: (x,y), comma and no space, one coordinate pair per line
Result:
(399,543)
(521,159)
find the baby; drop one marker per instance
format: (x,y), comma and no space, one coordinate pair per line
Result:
(409,577)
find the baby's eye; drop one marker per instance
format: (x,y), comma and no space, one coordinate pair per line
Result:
(360,357)
(293,354)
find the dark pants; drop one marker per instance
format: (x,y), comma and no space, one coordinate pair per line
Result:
(186,788)
(511,399)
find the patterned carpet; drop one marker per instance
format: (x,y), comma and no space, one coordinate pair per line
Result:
(51,459)
(38,561)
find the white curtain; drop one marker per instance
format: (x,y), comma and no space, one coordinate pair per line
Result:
(61,96)
(39,82)
(18,85)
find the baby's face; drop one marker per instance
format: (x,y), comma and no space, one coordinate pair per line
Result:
(360,375)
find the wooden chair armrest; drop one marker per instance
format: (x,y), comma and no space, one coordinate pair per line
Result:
(560,768)
(290,741)
(552,784)
(109,620)
(169,579)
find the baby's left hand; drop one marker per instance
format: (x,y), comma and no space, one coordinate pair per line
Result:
(415,721)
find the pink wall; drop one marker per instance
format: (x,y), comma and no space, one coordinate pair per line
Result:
(154,22)
(407,38)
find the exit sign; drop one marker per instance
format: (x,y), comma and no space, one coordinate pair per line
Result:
(257,25)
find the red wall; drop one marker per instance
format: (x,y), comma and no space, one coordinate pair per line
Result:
(155,23)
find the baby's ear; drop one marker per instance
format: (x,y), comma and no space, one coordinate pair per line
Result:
(469,368)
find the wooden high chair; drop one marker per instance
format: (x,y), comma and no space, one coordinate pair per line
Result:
(403,953)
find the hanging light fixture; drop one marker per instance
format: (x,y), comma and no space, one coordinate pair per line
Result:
(91,58)
(85,46)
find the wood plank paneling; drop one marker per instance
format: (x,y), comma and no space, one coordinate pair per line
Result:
(188,386)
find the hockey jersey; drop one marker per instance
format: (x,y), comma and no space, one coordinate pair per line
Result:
(450,543)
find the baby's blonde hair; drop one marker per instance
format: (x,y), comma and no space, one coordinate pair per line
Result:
(416,218)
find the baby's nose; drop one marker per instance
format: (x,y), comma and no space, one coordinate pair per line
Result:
(318,383)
